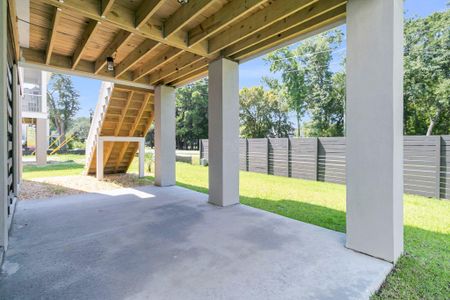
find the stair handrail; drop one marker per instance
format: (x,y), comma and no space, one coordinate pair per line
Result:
(104,95)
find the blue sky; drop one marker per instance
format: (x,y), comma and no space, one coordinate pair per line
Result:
(250,73)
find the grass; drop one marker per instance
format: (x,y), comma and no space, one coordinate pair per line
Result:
(423,272)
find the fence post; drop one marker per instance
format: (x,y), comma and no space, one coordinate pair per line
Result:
(438,167)
(268,154)
(246,154)
(316,156)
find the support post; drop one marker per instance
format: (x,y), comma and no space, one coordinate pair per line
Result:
(41,141)
(165,136)
(141,157)
(375,127)
(99,165)
(223,144)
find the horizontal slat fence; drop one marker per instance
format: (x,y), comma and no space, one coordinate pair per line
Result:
(426,160)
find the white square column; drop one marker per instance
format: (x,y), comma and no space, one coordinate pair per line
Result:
(41,141)
(223,123)
(374,115)
(165,135)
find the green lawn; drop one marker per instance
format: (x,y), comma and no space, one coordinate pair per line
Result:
(423,272)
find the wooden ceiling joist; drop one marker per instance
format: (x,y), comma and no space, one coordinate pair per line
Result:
(87,36)
(274,12)
(122,18)
(121,38)
(296,19)
(186,71)
(191,77)
(106,6)
(63,64)
(146,11)
(333,17)
(14,27)
(154,64)
(225,16)
(163,42)
(135,56)
(51,42)
(178,64)
(185,13)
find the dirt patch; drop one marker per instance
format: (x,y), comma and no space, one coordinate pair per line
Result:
(69,185)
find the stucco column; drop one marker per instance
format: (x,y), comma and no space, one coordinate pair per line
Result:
(164,136)
(223,116)
(41,142)
(375,127)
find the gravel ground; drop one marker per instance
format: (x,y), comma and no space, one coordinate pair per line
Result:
(40,188)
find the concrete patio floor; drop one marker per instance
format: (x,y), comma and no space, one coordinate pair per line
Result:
(169,243)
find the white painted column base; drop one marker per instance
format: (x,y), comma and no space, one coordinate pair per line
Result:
(374,119)
(223,115)
(165,122)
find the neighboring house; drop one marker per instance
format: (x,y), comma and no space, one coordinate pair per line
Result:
(35,124)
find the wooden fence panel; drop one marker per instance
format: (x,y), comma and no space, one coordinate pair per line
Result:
(243,155)
(258,155)
(279,156)
(303,158)
(421,165)
(426,160)
(445,167)
(331,160)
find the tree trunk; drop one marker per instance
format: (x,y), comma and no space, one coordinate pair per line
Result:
(298,125)
(432,123)
(430,127)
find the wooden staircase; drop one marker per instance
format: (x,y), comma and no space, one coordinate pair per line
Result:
(121,111)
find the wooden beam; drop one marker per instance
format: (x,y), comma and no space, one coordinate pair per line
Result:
(135,56)
(199,74)
(229,13)
(87,36)
(124,18)
(146,11)
(331,18)
(120,39)
(63,64)
(298,18)
(106,6)
(14,28)
(275,11)
(51,42)
(178,64)
(156,63)
(186,71)
(184,14)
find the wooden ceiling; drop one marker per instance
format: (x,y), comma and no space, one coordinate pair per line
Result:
(162,41)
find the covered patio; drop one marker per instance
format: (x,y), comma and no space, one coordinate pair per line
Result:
(169,243)
(180,244)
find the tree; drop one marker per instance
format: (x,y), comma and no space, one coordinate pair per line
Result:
(63,102)
(293,77)
(427,74)
(192,114)
(309,84)
(263,114)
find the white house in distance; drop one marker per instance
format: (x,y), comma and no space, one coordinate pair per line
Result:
(35,125)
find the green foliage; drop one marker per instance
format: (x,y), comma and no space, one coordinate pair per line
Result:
(309,84)
(263,113)
(192,114)
(427,75)
(63,102)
